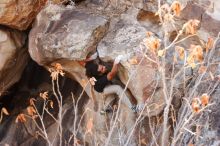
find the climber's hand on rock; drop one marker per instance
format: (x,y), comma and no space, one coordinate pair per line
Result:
(93,56)
(118,59)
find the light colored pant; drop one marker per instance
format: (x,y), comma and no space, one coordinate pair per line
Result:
(118,90)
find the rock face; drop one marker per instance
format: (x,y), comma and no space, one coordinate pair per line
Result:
(36,79)
(58,37)
(66,35)
(205,16)
(62,33)
(13,57)
(19,14)
(124,37)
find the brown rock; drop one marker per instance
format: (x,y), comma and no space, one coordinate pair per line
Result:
(19,14)
(192,11)
(58,1)
(208,21)
(124,38)
(13,57)
(63,33)
(209,18)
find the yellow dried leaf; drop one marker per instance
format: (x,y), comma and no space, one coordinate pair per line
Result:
(157,13)
(202,69)
(168,18)
(31,111)
(195,22)
(195,105)
(133,61)
(190,144)
(89,126)
(199,53)
(176,8)
(148,33)
(191,26)
(32,100)
(76,141)
(44,95)
(56,70)
(58,66)
(196,52)
(34,116)
(154,45)
(143,141)
(193,65)
(180,51)
(20,118)
(204,99)
(54,75)
(4,110)
(190,61)
(51,104)
(161,53)
(209,44)
(62,73)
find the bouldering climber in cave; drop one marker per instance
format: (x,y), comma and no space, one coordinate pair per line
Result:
(103,81)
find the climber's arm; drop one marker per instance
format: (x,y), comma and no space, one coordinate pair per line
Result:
(114,70)
(90,58)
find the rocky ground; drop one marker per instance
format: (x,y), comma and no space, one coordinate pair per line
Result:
(36,34)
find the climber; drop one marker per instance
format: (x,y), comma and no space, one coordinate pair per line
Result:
(103,83)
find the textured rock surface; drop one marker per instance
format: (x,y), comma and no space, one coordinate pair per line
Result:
(64,41)
(16,134)
(214,10)
(36,79)
(13,57)
(76,35)
(206,17)
(62,33)
(124,37)
(210,130)
(19,14)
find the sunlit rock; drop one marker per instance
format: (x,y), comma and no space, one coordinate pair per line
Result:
(13,57)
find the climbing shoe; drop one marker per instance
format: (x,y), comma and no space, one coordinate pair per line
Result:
(137,108)
(106,111)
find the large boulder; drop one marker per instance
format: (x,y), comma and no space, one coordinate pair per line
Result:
(56,37)
(124,38)
(65,33)
(19,14)
(13,57)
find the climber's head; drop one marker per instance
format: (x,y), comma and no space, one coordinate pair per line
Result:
(93,69)
(101,69)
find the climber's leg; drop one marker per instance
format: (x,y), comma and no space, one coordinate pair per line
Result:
(109,101)
(116,89)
